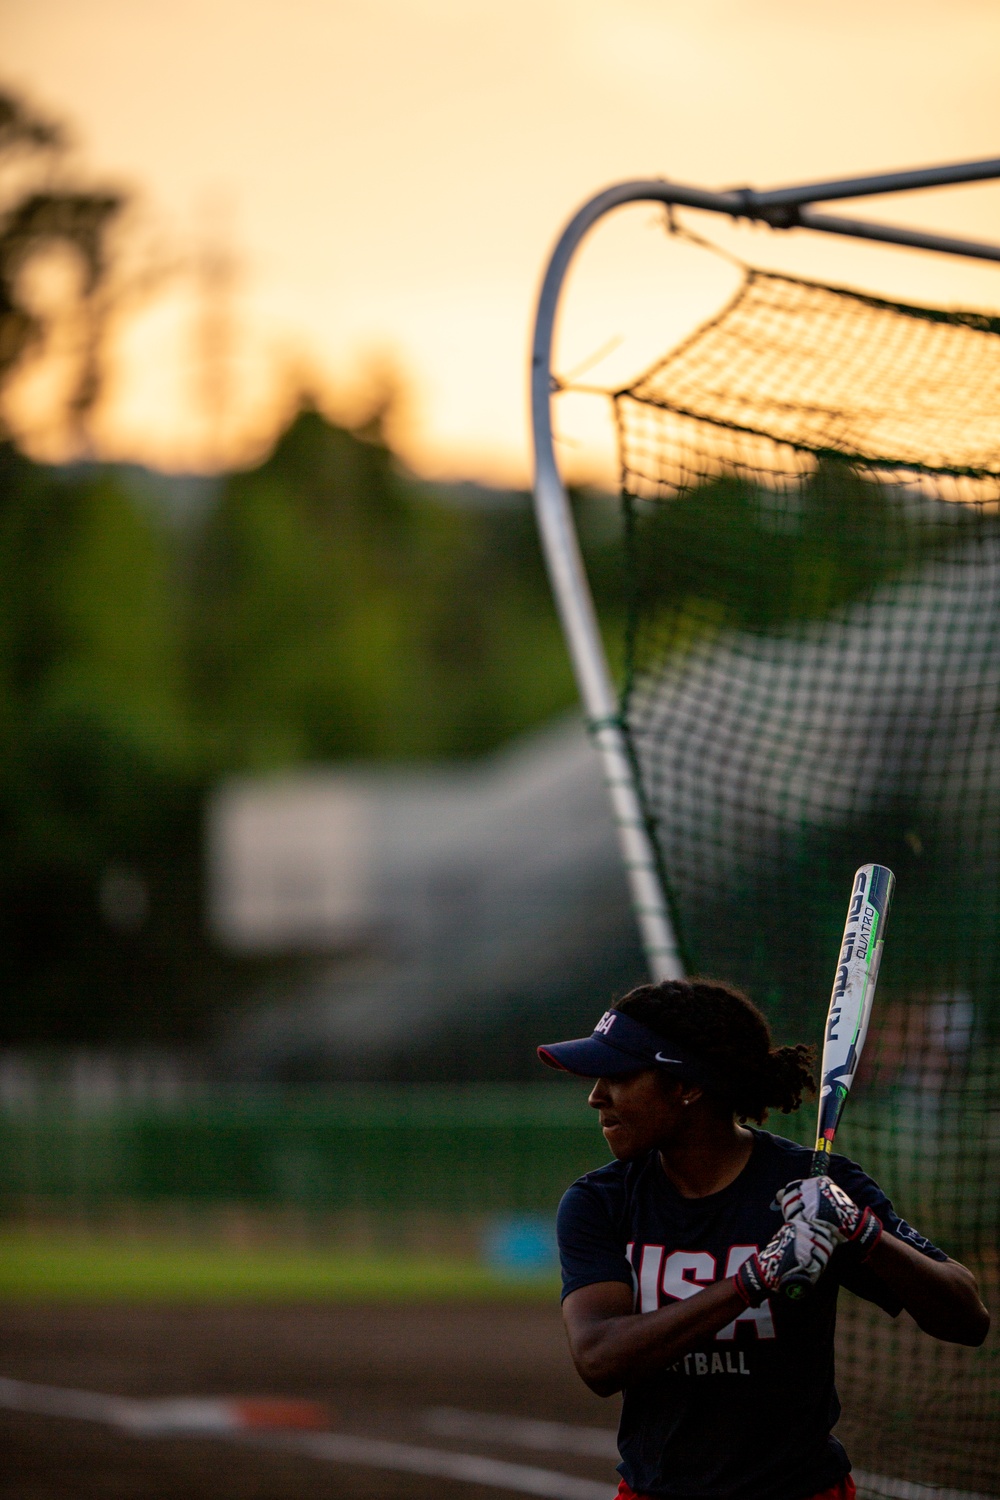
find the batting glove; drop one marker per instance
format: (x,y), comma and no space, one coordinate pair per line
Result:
(819,1200)
(799,1250)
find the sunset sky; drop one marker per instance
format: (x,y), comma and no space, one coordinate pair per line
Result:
(389,177)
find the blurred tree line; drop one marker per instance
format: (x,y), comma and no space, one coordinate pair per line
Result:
(323,606)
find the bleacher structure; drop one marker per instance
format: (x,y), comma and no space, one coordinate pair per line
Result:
(811,513)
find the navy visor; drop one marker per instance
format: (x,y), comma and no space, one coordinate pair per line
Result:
(620,1045)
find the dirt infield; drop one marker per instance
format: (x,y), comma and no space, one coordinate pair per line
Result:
(382,1374)
(375,1370)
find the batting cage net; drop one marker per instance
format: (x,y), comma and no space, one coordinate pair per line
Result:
(810,489)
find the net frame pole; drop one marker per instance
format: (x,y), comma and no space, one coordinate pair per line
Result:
(780,208)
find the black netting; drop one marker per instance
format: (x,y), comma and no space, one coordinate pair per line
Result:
(811,489)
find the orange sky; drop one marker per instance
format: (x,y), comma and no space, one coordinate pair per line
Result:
(393,172)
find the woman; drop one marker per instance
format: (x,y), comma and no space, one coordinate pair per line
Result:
(676,1255)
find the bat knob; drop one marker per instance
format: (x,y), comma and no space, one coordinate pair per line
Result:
(795,1287)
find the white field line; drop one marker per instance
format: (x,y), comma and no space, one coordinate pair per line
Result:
(151,1418)
(50,1401)
(467,1467)
(522,1432)
(205,1417)
(596,1442)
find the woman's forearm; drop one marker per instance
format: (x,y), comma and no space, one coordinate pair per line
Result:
(941,1296)
(609,1351)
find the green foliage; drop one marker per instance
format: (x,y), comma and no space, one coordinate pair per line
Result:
(762,559)
(96,776)
(325,607)
(340,611)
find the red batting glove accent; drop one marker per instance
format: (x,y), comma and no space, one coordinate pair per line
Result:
(867,1234)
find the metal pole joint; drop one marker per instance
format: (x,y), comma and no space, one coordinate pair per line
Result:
(754,206)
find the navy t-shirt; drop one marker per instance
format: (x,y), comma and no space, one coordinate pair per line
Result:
(748,1414)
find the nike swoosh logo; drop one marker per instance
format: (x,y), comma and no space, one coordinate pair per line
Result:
(660,1058)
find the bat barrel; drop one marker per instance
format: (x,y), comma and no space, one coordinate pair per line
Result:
(853,993)
(848,1016)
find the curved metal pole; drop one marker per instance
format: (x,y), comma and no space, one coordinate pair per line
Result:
(576,607)
(781,208)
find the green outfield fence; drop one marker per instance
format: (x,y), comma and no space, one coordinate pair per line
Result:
(470,1150)
(372,1148)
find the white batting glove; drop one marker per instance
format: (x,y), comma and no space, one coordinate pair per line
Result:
(819,1200)
(799,1253)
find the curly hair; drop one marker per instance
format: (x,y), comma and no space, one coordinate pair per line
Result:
(723,1027)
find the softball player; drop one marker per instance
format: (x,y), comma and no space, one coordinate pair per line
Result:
(674,1255)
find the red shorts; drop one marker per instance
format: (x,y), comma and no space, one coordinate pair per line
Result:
(845,1490)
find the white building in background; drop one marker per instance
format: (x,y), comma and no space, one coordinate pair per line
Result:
(291,863)
(425,902)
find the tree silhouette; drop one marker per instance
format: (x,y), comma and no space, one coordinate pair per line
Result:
(41,207)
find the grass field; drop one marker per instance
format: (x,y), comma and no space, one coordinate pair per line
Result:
(67,1267)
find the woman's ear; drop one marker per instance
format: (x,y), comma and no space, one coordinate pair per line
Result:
(680,1092)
